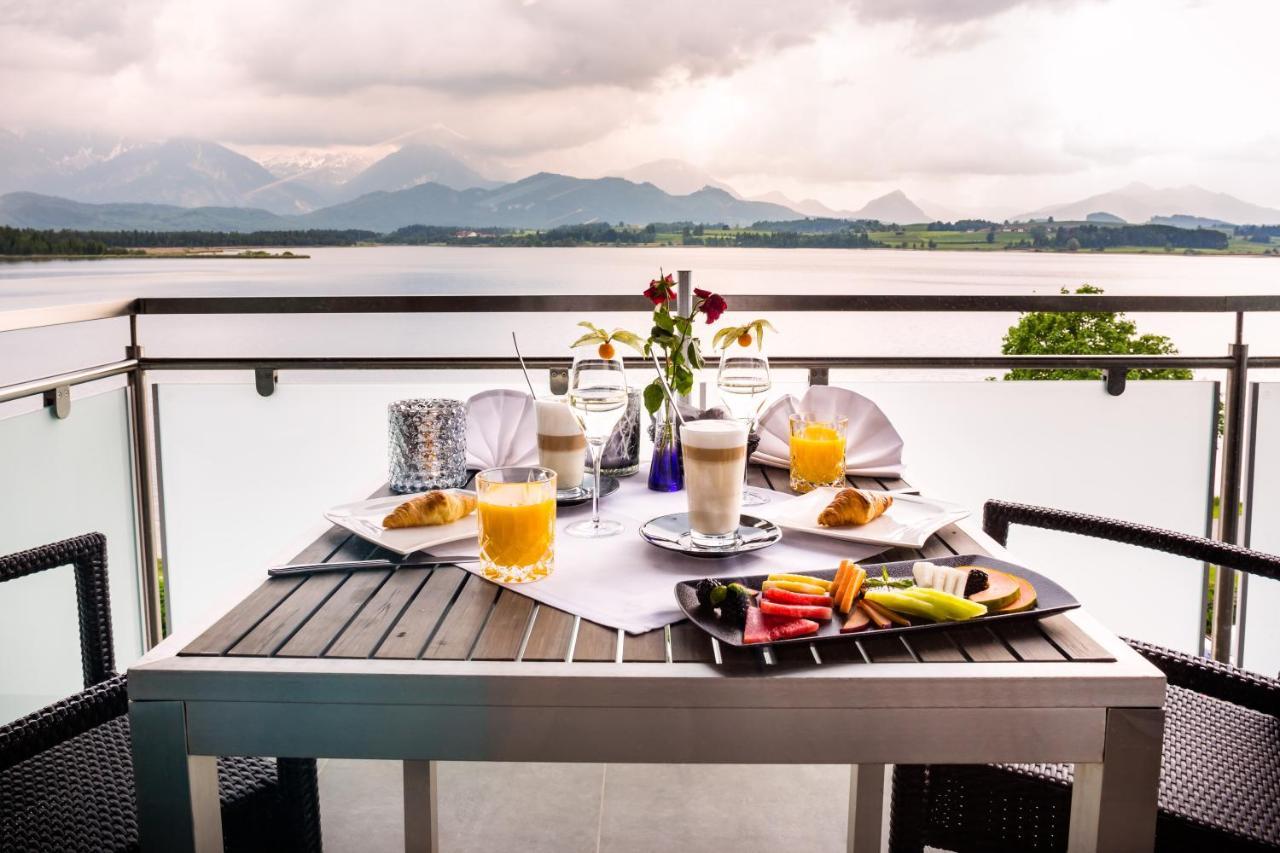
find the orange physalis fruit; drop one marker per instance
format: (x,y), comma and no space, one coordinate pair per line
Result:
(744,339)
(606,350)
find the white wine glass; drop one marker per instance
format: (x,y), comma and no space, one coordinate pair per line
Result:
(744,381)
(598,397)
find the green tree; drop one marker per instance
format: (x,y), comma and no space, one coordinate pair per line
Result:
(1084,333)
(991,234)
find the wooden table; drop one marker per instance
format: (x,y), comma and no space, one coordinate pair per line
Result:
(426,665)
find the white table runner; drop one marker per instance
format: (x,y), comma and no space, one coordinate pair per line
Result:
(624,582)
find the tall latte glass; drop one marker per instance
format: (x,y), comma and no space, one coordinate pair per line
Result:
(562,447)
(715,459)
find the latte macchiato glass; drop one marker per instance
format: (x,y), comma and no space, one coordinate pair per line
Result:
(715,459)
(561,445)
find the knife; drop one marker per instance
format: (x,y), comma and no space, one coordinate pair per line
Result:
(362,565)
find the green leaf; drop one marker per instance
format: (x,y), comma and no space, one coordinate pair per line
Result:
(653,396)
(588,338)
(631,339)
(663,321)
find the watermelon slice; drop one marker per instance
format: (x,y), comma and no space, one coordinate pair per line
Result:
(763,628)
(785,596)
(795,611)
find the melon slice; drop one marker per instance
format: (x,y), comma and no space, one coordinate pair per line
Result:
(763,628)
(812,581)
(880,610)
(1001,589)
(858,621)
(842,579)
(795,586)
(1026,598)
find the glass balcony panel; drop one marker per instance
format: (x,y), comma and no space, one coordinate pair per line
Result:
(1261,630)
(63,478)
(1142,456)
(246,478)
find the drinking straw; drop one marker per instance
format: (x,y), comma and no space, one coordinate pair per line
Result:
(516,344)
(667,388)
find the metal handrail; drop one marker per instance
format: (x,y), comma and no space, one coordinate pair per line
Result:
(52,315)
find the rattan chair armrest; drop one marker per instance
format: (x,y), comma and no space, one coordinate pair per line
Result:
(62,721)
(1219,680)
(88,556)
(998,515)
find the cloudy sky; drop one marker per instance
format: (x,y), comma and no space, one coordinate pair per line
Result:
(997,105)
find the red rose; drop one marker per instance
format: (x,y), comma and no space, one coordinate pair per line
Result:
(713,304)
(660,291)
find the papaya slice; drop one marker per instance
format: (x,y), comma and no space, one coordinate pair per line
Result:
(858,621)
(849,592)
(1001,589)
(843,575)
(1026,596)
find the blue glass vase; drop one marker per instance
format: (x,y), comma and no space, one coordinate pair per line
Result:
(666,470)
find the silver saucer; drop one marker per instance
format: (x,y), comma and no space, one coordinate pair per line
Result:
(582,494)
(671,532)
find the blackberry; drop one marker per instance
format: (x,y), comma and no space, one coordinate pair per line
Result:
(736,601)
(703,589)
(977,582)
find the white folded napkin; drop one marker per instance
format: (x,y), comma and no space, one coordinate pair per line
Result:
(874,448)
(501,429)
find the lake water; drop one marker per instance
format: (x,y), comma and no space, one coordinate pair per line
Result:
(451,270)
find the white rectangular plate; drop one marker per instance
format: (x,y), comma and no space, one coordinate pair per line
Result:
(364,519)
(908,523)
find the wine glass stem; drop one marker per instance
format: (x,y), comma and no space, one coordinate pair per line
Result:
(596,452)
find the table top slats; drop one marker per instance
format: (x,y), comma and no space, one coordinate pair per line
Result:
(281,623)
(979,644)
(934,646)
(846,651)
(331,619)
(463,622)
(1073,642)
(595,642)
(219,637)
(793,654)
(1027,642)
(360,638)
(408,637)
(450,614)
(690,644)
(551,634)
(649,647)
(505,630)
(887,650)
(738,655)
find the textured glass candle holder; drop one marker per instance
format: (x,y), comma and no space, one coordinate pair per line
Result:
(427,444)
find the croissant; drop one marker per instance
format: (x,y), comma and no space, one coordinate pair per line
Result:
(430,509)
(854,507)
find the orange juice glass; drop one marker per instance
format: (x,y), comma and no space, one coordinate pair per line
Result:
(516,512)
(817,451)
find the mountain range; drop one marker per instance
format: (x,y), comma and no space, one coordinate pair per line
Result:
(57,180)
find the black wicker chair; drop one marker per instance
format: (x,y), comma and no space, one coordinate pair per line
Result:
(66,773)
(1220,772)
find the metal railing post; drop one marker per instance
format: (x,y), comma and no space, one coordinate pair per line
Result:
(147,510)
(684,302)
(1224,593)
